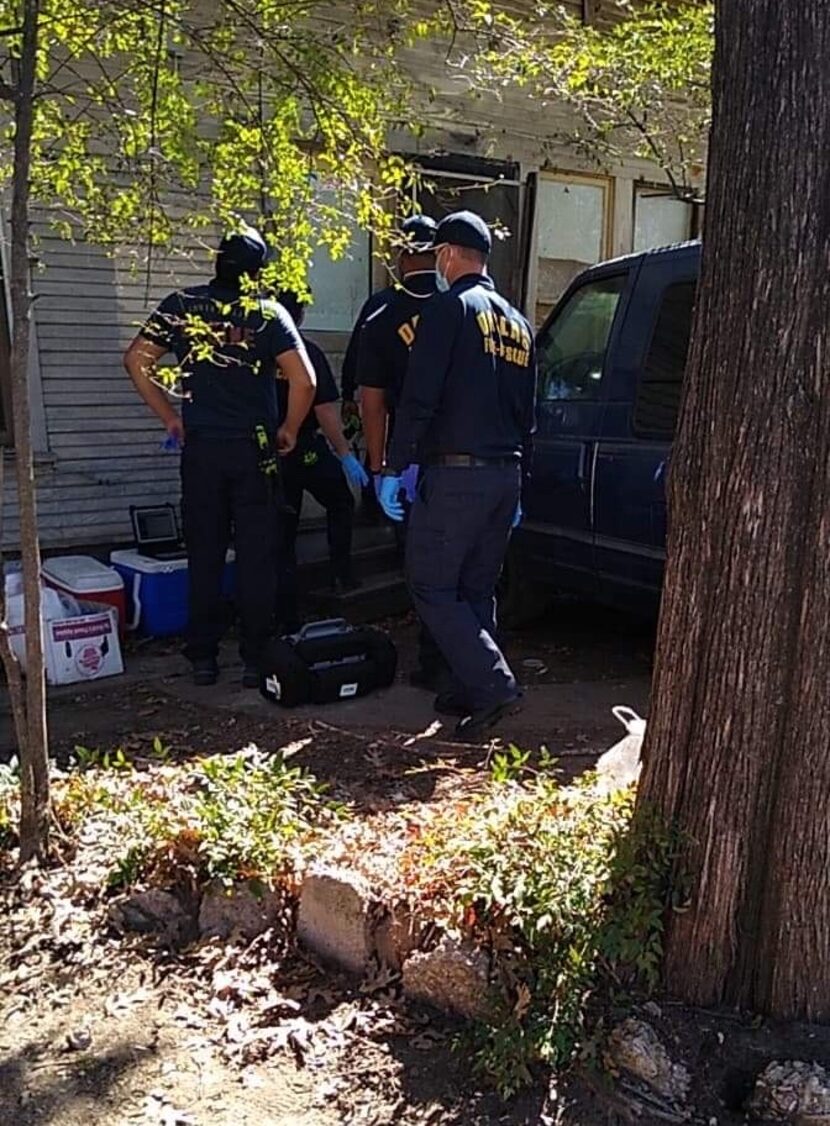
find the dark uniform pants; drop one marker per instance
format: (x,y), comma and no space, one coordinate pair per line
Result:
(458,533)
(224,494)
(315,468)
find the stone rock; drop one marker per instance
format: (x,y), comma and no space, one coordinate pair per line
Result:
(245,909)
(154,912)
(334,917)
(454,977)
(635,1047)
(792,1091)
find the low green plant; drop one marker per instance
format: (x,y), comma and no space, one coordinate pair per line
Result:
(255,813)
(92,758)
(566,892)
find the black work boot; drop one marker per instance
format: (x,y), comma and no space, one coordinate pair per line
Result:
(474,727)
(451,703)
(205,671)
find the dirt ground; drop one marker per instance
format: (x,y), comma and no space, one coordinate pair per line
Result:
(97,1028)
(157,1052)
(575,665)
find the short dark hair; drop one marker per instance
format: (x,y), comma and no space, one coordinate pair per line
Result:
(293,305)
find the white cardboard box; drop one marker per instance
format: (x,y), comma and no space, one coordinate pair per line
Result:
(84,648)
(80,648)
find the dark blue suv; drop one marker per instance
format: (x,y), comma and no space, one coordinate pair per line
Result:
(611,360)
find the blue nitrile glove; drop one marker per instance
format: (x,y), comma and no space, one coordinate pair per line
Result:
(171,444)
(355,473)
(409,482)
(517,516)
(389,498)
(377,481)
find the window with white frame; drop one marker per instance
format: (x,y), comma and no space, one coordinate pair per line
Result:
(660,219)
(573,222)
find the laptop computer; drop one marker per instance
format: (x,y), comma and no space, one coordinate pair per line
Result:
(156,532)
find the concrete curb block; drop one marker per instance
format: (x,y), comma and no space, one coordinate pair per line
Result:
(341,921)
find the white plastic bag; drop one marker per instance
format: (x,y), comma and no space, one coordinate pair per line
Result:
(619,767)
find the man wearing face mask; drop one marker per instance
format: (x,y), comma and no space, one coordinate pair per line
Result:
(382,358)
(415,234)
(466,416)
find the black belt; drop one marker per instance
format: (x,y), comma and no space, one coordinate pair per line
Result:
(469,461)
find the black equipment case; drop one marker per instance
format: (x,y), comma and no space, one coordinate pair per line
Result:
(325,662)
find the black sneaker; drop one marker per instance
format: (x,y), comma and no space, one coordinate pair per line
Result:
(473,728)
(250,676)
(451,703)
(205,672)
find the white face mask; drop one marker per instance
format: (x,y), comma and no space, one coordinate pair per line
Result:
(441,280)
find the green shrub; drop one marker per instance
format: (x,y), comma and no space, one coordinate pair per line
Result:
(255,815)
(235,816)
(564,892)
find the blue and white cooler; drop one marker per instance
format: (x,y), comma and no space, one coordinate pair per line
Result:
(157,591)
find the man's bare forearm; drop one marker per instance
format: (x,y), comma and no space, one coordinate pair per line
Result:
(140,362)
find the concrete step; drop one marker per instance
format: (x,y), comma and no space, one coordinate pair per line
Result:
(380,596)
(374,550)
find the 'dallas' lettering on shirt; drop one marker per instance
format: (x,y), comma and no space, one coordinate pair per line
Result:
(406,330)
(504,337)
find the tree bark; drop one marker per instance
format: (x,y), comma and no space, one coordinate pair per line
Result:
(738,744)
(33,745)
(14,678)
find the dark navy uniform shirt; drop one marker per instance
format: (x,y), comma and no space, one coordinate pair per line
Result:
(471,382)
(348,369)
(389,333)
(227,355)
(326,390)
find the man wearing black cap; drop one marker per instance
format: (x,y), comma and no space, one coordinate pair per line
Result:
(416,235)
(384,345)
(228,344)
(467,416)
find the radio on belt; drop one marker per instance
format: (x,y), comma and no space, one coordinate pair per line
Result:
(325,662)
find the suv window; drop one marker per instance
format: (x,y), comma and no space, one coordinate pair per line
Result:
(571,351)
(658,395)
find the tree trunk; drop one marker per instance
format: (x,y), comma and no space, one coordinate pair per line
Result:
(34,761)
(738,744)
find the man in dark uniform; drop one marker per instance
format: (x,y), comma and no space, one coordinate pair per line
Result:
(384,345)
(416,233)
(322,463)
(228,345)
(467,416)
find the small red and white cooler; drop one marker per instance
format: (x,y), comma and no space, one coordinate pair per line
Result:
(87,580)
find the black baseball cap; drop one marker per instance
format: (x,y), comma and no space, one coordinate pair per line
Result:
(418,232)
(245,249)
(464,228)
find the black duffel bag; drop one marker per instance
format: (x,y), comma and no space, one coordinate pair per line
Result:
(325,662)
